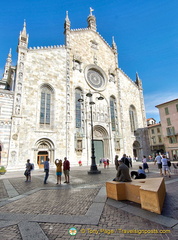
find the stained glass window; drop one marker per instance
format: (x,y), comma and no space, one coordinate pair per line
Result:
(78,116)
(45,106)
(112,111)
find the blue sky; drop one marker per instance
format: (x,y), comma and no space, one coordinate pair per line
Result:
(146,34)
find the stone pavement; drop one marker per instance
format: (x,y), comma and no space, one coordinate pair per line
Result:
(34,211)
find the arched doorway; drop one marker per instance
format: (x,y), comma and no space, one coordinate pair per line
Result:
(136,150)
(44,150)
(101,143)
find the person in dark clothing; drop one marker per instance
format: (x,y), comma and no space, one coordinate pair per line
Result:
(46,170)
(116,161)
(140,174)
(125,160)
(122,173)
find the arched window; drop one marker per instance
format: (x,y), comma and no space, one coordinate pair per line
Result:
(78,113)
(45,107)
(133,118)
(113,112)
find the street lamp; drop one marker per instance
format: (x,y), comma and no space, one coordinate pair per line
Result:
(93,167)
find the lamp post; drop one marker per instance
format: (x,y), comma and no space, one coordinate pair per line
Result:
(93,167)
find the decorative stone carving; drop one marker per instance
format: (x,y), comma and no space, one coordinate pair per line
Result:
(94,44)
(15,136)
(17,109)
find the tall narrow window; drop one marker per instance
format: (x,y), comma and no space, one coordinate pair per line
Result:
(78,114)
(133,119)
(168,121)
(166,111)
(177,107)
(112,111)
(45,108)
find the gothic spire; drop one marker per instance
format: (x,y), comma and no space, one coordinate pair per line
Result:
(138,81)
(67,22)
(114,46)
(23,37)
(7,72)
(24,32)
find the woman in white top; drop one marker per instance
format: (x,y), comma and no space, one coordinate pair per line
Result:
(165,166)
(145,164)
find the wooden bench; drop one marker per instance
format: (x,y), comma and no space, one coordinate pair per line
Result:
(150,193)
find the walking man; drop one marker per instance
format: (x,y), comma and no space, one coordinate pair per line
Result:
(46,170)
(159,163)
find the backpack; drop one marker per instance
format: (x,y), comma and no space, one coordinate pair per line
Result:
(169,163)
(31,166)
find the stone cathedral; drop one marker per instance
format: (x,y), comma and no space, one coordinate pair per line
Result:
(40,115)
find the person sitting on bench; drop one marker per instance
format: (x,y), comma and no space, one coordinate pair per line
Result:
(140,174)
(122,173)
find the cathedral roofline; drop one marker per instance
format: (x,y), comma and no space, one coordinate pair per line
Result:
(87,29)
(47,47)
(128,78)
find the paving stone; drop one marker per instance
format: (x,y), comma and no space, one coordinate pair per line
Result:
(52,210)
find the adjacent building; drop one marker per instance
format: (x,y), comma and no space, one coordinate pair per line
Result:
(40,115)
(168,112)
(155,137)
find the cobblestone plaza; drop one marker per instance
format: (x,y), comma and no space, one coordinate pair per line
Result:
(80,210)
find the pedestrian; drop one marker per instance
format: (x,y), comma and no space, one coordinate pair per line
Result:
(130,161)
(58,170)
(159,163)
(104,162)
(169,164)
(145,164)
(165,167)
(27,172)
(46,170)
(125,160)
(116,161)
(66,169)
(140,174)
(122,173)
(107,160)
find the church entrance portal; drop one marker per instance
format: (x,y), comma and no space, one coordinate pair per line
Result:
(99,150)
(44,149)
(101,143)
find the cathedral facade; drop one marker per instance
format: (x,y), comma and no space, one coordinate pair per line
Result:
(57,98)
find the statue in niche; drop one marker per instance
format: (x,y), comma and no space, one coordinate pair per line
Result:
(76,65)
(20,76)
(22,56)
(95,59)
(19,87)
(18,98)
(21,65)
(17,109)
(112,78)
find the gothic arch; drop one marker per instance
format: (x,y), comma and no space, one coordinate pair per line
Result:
(100,131)
(44,148)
